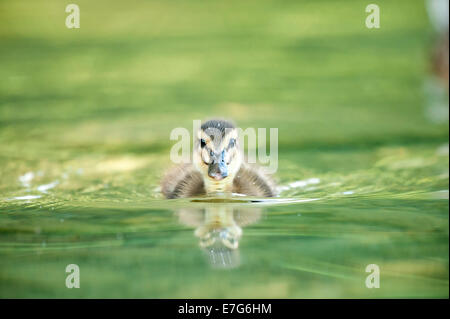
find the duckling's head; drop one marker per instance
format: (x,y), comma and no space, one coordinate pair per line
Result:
(216,154)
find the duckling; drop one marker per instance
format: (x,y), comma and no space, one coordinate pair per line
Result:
(218,167)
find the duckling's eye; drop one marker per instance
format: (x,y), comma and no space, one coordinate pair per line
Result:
(232,142)
(202,143)
(211,153)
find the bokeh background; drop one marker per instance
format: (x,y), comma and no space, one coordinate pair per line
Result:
(135,69)
(86,115)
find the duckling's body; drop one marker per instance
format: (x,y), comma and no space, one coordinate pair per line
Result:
(217,168)
(186,181)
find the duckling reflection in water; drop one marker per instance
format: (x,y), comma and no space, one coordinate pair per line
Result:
(219,229)
(218,167)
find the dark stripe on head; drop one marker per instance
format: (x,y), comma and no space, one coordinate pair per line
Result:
(219,125)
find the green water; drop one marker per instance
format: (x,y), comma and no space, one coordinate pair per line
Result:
(85,120)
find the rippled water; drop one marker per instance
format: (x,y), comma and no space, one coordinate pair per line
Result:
(387,207)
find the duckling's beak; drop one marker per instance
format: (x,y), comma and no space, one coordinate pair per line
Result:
(218,168)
